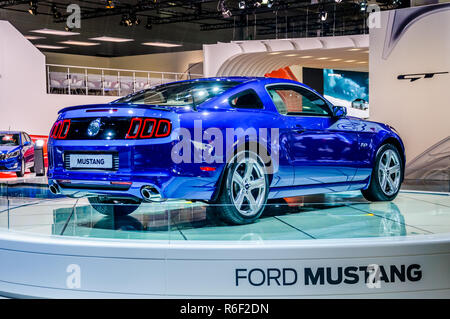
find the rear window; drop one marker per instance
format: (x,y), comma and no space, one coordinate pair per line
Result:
(180,94)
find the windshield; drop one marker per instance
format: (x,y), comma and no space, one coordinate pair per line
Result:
(180,94)
(9,139)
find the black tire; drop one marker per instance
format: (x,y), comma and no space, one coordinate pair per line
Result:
(32,170)
(225,207)
(21,173)
(113,207)
(374,192)
(41,174)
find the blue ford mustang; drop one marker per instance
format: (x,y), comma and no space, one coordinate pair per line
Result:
(234,141)
(16,152)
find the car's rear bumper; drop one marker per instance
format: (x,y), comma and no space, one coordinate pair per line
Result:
(199,188)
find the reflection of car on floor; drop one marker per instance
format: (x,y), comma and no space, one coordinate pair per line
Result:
(16,152)
(286,141)
(360,104)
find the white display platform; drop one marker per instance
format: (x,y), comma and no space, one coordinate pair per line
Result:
(61,267)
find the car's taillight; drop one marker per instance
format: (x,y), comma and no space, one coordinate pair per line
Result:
(60,129)
(148,128)
(163,129)
(135,127)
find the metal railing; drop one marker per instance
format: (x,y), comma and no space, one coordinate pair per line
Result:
(80,80)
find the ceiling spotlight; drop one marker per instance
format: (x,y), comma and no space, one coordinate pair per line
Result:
(109,4)
(68,29)
(269,3)
(363,5)
(55,12)
(242,5)
(226,13)
(33,8)
(338,1)
(257,4)
(323,15)
(264,1)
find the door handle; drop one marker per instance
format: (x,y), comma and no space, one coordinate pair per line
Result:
(299,129)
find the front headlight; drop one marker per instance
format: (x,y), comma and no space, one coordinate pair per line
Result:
(13,154)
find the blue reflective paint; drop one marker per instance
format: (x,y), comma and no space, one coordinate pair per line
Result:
(328,154)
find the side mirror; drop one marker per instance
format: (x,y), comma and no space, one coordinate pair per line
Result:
(339,111)
(26,143)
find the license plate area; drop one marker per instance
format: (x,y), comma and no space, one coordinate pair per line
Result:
(91,161)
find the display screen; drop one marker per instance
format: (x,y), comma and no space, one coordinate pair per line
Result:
(347,88)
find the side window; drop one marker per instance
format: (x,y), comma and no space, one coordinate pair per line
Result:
(290,100)
(247,99)
(23,138)
(28,138)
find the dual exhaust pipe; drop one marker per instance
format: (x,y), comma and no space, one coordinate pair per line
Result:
(54,189)
(148,193)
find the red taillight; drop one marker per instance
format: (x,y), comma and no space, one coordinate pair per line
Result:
(163,129)
(207,168)
(64,129)
(60,129)
(148,128)
(55,129)
(135,127)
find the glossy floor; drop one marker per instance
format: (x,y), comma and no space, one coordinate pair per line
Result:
(339,215)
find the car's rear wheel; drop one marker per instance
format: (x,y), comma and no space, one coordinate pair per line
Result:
(387,175)
(21,173)
(32,170)
(113,207)
(245,190)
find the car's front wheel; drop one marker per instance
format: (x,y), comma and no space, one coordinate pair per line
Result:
(113,207)
(21,173)
(387,175)
(245,190)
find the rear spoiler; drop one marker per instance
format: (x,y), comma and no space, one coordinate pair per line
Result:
(116,106)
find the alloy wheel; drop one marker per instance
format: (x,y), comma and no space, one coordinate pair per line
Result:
(248,186)
(389,172)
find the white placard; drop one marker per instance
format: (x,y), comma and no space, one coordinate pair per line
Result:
(96,161)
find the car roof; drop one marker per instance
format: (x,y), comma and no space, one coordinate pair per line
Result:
(248,79)
(10,132)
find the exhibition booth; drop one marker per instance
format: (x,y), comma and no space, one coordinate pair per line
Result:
(328,243)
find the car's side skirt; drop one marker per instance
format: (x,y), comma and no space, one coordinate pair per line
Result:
(291,191)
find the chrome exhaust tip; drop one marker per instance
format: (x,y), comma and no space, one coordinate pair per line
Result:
(150,194)
(54,189)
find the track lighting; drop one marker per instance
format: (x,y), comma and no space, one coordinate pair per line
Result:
(33,8)
(363,5)
(129,20)
(55,12)
(323,15)
(109,4)
(242,5)
(226,13)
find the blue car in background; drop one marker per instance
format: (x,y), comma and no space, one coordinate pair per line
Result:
(16,152)
(235,142)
